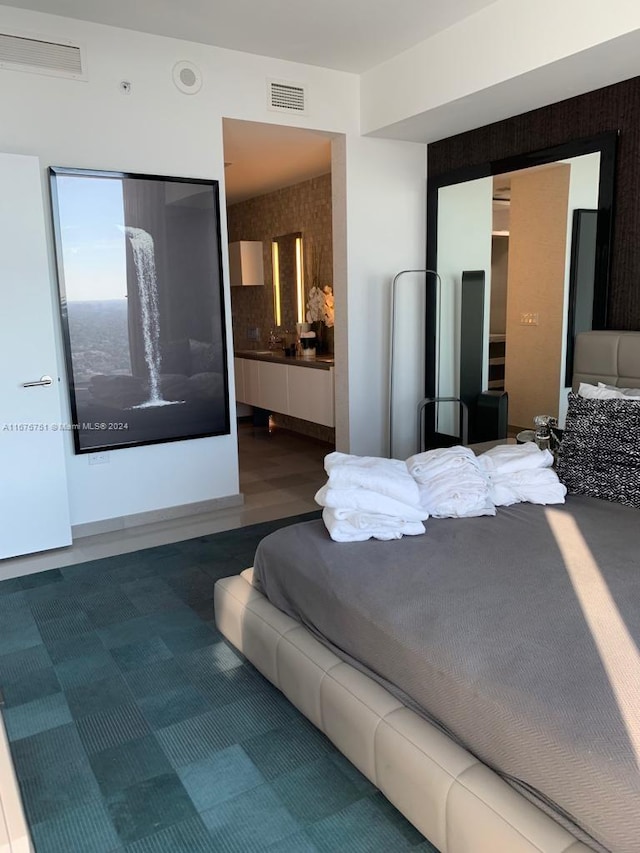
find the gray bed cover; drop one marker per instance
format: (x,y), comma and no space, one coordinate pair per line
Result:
(477,626)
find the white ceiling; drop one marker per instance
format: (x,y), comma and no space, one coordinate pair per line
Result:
(260,158)
(348,35)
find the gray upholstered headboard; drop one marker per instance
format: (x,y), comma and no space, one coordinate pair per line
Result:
(609,357)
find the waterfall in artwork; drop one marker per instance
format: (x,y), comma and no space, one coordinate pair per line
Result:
(145,264)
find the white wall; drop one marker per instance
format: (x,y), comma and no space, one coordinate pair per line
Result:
(506,59)
(384,208)
(156,130)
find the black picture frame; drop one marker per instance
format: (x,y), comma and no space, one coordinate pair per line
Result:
(139,261)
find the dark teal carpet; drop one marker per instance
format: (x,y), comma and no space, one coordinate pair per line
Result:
(135,727)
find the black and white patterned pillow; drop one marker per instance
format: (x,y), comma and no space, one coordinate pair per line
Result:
(600,450)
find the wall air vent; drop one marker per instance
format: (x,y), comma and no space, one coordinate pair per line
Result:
(286,97)
(40,55)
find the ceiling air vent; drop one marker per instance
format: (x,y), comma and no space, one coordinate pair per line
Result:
(286,97)
(41,56)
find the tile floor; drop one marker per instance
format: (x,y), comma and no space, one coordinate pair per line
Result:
(135,727)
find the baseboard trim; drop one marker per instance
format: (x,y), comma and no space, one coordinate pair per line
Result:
(123,522)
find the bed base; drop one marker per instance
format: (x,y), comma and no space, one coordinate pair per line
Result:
(457,802)
(14,832)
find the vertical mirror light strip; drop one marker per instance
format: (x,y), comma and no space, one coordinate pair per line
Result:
(617,649)
(275,262)
(299,281)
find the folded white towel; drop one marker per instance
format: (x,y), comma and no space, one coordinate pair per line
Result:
(353,526)
(539,486)
(368,501)
(450,496)
(386,476)
(505,458)
(424,466)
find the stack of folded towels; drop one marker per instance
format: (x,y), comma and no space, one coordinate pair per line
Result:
(455,483)
(367,497)
(451,483)
(521,472)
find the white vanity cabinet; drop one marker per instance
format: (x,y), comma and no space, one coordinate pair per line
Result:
(251,371)
(291,388)
(273,385)
(238,373)
(311,395)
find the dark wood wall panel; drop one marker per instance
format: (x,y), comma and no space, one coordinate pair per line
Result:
(612,108)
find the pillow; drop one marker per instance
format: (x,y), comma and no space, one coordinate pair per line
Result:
(629,393)
(599,454)
(607,392)
(595,392)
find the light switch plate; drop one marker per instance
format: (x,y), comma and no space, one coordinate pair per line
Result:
(528,319)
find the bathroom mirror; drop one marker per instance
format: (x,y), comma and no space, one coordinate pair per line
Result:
(288,280)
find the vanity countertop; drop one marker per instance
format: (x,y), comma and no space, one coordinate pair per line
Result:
(323,362)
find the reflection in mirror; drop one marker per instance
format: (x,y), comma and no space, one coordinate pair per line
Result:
(517,227)
(288,281)
(533,316)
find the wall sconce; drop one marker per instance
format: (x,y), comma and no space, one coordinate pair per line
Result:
(300,281)
(275,263)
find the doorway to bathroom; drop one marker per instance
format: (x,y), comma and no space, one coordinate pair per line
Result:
(278,191)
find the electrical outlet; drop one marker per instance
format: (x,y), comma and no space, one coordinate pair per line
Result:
(98,458)
(528,319)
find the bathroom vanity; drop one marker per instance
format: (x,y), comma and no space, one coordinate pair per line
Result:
(301,388)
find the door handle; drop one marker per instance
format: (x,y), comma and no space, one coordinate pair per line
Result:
(44,380)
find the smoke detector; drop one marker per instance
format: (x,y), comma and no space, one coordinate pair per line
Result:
(187,77)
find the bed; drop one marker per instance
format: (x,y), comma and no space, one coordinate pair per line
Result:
(493,700)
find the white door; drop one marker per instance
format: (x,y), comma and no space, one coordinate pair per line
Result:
(34,506)
(464,243)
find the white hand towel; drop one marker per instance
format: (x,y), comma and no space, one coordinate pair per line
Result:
(346,526)
(387,476)
(506,458)
(365,500)
(448,496)
(424,466)
(373,520)
(540,486)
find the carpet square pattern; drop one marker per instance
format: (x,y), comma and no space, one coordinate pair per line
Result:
(136,728)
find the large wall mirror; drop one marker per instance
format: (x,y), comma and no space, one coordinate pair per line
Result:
(539,227)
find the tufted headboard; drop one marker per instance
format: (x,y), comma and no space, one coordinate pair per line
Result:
(609,357)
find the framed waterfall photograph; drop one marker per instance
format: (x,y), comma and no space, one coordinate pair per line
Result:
(142,305)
